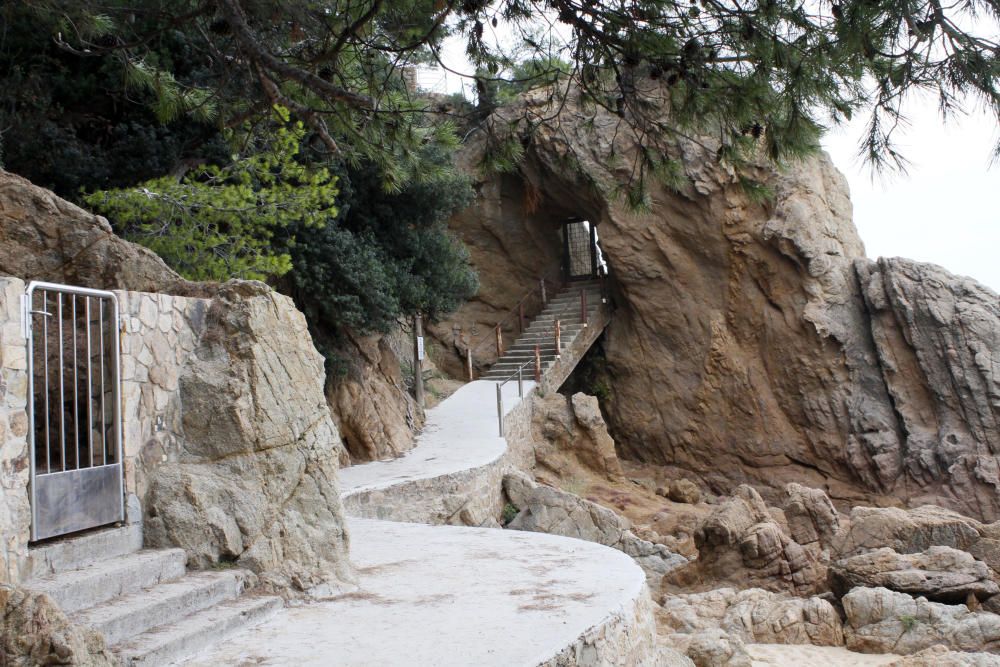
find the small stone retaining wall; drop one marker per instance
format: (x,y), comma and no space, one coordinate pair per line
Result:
(158,334)
(15,510)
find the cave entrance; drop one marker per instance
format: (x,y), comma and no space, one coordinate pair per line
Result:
(581,256)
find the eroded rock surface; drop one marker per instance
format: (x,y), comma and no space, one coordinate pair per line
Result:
(544,509)
(754,616)
(751,342)
(741,543)
(375,415)
(34,631)
(941,574)
(810,515)
(569,433)
(256,481)
(884,621)
(905,531)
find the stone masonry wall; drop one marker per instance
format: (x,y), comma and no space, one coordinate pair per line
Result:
(15,510)
(159,334)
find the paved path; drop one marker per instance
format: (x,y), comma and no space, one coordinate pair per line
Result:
(445,595)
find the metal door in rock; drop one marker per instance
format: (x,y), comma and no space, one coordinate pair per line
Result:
(579,249)
(74,406)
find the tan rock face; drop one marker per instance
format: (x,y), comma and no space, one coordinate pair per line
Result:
(741,543)
(883,621)
(752,342)
(941,574)
(44,237)
(905,531)
(569,433)
(256,480)
(375,415)
(754,616)
(33,631)
(810,515)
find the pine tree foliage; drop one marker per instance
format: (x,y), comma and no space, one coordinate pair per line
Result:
(221,222)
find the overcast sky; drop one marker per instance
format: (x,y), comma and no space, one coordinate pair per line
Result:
(946,210)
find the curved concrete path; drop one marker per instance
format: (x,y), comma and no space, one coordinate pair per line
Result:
(447,595)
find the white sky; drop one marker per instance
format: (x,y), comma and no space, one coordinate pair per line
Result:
(944,210)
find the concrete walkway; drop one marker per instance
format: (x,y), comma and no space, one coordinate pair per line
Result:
(446,595)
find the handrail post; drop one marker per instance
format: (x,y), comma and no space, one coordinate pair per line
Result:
(520,382)
(583,306)
(468,362)
(558,340)
(545,301)
(538,363)
(499,342)
(500,407)
(520,316)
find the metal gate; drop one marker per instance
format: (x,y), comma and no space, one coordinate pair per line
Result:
(74,409)
(580,249)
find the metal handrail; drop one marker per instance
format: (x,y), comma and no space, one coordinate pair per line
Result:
(520,390)
(540,289)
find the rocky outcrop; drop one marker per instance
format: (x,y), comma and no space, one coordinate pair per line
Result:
(754,616)
(811,517)
(570,433)
(905,531)
(752,341)
(34,631)
(44,237)
(544,509)
(884,621)
(714,648)
(941,574)
(256,479)
(375,415)
(741,543)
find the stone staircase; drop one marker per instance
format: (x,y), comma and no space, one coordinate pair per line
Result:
(149,608)
(566,307)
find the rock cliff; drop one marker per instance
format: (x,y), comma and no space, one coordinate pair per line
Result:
(753,341)
(254,477)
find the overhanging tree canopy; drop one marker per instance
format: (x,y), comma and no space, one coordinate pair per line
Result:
(774,70)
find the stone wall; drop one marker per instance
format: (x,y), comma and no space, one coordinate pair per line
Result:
(15,511)
(159,333)
(227,437)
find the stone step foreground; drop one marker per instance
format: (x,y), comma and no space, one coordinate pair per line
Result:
(448,595)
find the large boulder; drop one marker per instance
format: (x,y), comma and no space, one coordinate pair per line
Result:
(882,621)
(740,543)
(569,433)
(255,482)
(905,531)
(811,516)
(752,341)
(715,648)
(941,574)
(544,509)
(44,237)
(375,415)
(754,616)
(34,631)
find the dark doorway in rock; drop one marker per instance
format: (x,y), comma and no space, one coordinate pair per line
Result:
(580,253)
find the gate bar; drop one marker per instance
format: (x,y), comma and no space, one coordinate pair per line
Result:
(116,389)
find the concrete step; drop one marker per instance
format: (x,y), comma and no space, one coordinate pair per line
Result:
(105,579)
(81,551)
(179,640)
(127,616)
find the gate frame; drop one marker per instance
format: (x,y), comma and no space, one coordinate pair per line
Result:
(27,329)
(567,253)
